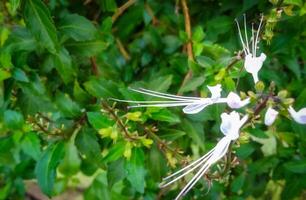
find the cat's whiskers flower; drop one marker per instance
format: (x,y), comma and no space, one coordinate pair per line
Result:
(230,126)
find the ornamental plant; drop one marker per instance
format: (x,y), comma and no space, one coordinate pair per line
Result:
(143,99)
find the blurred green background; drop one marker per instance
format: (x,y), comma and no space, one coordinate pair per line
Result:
(61,61)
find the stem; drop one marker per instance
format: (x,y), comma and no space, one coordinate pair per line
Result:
(162,144)
(121,9)
(94,66)
(118,121)
(188,76)
(122,50)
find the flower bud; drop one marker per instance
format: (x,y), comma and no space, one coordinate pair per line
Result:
(270,116)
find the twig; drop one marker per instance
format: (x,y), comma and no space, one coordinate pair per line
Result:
(162,144)
(151,13)
(118,121)
(122,50)
(188,44)
(121,9)
(94,66)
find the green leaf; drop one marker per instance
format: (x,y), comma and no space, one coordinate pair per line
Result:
(14,5)
(4,74)
(99,189)
(135,170)
(37,17)
(298,166)
(98,120)
(245,150)
(85,139)
(68,107)
(198,34)
(101,88)
(238,183)
(161,83)
(77,27)
(108,5)
(33,97)
(31,145)
(20,75)
(45,169)
(115,152)
(62,63)
(13,119)
(171,134)
(86,48)
(193,84)
(115,172)
(193,134)
(294,2)
(21,39)
(71,162)
(164,115)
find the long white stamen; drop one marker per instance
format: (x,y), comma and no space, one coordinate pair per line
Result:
(149,102)
(253,41)
(163,95)
(190,165)
(161,105)
(246,34)
(240,36)
(187,172)
(258,30)
(200,174)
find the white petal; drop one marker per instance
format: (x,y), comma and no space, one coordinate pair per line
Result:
(234,101)
(300,116)
(215,91)
(270,116)
(194,108)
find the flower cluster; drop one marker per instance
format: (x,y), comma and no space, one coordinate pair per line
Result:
(230,123)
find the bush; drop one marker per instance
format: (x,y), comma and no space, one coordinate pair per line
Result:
(61,62)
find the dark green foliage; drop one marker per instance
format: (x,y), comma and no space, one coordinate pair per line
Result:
(61,62)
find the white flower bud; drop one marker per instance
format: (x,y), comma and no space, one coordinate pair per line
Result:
(270,116)
(234,101)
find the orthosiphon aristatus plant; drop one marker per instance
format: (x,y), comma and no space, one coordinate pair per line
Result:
(231,122)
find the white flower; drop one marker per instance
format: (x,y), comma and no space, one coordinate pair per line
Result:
(231,124)
(252,63)
(300,116)
(234,101)
(270,116)
(215,91)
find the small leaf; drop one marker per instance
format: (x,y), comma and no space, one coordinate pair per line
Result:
(71,161)
(38,19)
(86,48)
(98,120)
(102,88)
(45,169)
(298,166)
(4,74)
(63,65)
(193,84)
(68,107)
(115,172)
(198,34)
(31,145)
(164,115)
(135,170)
(20,75)
(77,27)
(13,119)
